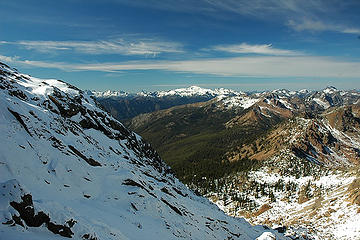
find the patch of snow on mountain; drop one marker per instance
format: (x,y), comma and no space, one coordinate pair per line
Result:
(286,104)
(109,93)
(190,91)
(320,102)
(282,92)
(267,236)
(330,90)
(240,101)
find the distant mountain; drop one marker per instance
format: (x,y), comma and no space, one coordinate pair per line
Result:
(124,105)
(69,169)
(191,91)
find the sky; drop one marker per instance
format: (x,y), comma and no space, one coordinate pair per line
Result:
(134,45)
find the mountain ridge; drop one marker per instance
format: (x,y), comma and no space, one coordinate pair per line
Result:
(196,90)
(125,105)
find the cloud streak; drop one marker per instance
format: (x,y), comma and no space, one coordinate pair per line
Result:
(290,12)
(254,66)
(297,14)
(263,49)
(256,8)
(319,26)
(118,46)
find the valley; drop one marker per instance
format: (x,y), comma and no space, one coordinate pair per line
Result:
(278,158)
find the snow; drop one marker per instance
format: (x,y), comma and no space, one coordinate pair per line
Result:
(334,219)
(45,87)
(191,91)
(303,91)
(262,111)
(36,158)
(320,102)
(109,93)
(343,137)
(240,101)
(267,236)
(282,92)
(286,104)
(330,90)
(349,229)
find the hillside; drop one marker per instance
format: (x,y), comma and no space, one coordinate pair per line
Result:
(70,170)
(194,140)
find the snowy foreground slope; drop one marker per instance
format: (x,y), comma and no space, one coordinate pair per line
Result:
(68,169)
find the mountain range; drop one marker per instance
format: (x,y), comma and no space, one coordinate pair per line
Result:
(281,158)
(68,169)
(124,105)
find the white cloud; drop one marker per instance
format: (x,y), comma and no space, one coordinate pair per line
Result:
(265,49)
(118,46)
(8,59)
(259,66)
(41,64)
(351,30)
(319,26)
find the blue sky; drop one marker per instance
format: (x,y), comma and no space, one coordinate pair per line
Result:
(135,45)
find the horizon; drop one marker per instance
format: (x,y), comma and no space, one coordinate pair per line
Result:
(160,45)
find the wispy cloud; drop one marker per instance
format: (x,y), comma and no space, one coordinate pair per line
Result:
(297,14)
(117,46)
(8,59)
(319,26)
(255,66)
(329,15)
(264,49)
(41,64)
(257,8)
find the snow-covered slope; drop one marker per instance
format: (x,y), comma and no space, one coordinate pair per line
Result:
(68,169)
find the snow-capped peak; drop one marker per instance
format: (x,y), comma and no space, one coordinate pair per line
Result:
(284,92)
(186,92)
(109,93)
(330,90)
